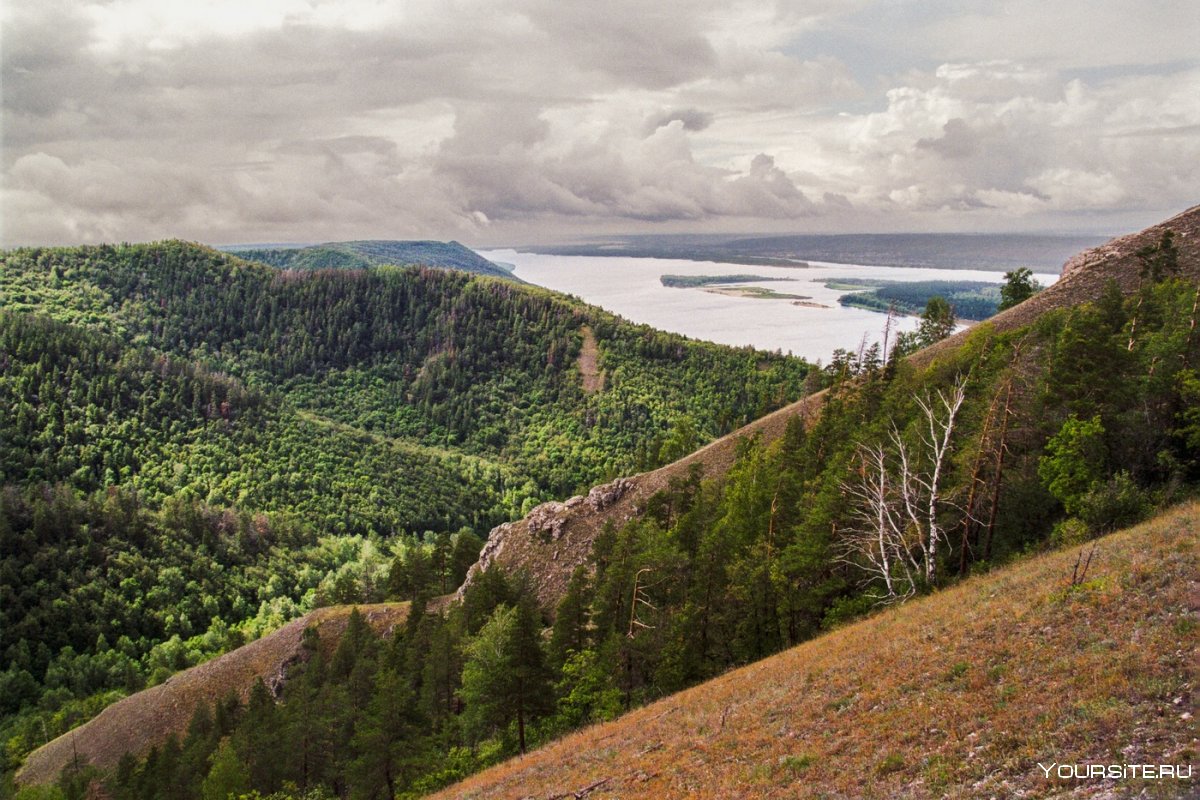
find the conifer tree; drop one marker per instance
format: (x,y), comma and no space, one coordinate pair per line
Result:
(572,620)
(1019,285)
(259,739)
(386,740)
(504,678)
(227,778)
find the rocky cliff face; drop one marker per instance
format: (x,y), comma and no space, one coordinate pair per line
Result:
(555,538)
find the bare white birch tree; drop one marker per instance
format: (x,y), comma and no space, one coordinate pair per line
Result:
(897,499)
(874,539)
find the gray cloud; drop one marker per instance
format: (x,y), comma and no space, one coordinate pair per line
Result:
(517,118)
(692,120)
(648,45)
(957,140)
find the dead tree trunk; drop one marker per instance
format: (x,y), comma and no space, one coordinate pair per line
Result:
(937,439)
(897,531)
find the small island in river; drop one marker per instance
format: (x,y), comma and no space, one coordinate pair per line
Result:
(696,281)
(724,285)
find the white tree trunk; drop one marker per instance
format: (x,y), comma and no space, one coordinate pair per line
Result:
(897,499)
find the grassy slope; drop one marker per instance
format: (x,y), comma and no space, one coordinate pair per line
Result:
(960,694)
(550,563)
(148,717)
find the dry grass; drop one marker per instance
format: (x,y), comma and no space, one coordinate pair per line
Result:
(550,564)
(147,718)
(960,694)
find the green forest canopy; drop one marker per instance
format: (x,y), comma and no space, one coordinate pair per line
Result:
(180,423)
(731,569)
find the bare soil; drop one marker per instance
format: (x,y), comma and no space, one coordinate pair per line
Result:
(589,362)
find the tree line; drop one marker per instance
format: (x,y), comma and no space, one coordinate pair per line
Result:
(909,479)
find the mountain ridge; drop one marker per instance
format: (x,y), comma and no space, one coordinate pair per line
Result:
(520,546)
(556,537)
(239,442)
(144,719)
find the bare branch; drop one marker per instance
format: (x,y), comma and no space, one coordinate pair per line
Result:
(897,500)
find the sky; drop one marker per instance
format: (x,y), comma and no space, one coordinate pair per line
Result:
(500,122)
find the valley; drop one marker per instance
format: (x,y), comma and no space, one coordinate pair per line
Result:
(202,448)
(526,400)
(635,586)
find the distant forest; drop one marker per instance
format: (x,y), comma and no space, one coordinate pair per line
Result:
(692,281)
(717,572)
(974,300)
(366,254)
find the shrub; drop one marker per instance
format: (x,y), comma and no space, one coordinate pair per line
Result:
(1116,504)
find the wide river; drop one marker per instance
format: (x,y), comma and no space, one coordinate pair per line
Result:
(631,287)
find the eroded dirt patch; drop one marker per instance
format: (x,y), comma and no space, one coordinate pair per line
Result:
(589,362)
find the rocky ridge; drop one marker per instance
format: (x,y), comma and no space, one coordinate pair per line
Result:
(556,537)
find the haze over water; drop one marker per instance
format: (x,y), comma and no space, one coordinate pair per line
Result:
(631,287)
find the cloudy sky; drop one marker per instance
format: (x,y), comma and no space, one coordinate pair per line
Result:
(509,121)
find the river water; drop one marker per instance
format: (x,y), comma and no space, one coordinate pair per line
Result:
(631,288)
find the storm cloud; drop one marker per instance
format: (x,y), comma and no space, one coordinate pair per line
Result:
(499,121)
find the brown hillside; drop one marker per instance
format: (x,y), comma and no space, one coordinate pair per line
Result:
(557,537)
(147,718)
(960,694)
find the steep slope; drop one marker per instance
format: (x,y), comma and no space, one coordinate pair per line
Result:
(960,694)
(550,542)
(807,473)
(362,254)
(147,718)
(200,443)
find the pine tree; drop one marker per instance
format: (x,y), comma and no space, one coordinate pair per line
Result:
(228,777)
(937,321)
(259,739)
(1019,285)
(504,678)
(572,620)
(1159,261)
(466,552)
(387,739)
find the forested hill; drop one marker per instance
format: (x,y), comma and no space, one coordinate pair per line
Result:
(1119,274)
(199,447)
(1044,428)
(430,357)
(365,254)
